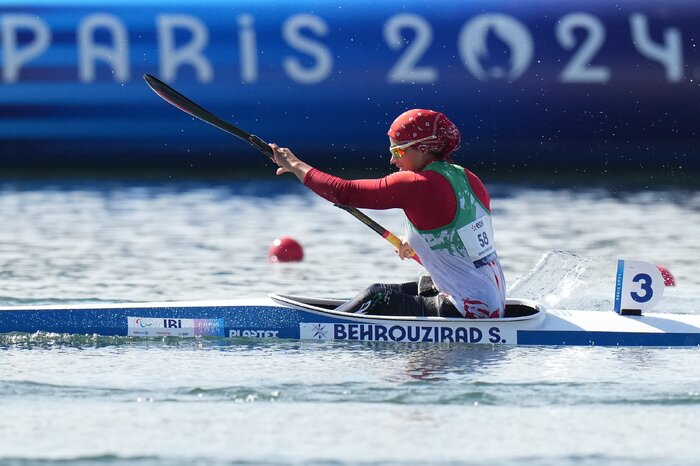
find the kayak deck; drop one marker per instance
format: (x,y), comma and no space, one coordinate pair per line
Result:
(292,317)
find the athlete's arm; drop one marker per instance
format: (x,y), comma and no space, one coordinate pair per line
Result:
(427,200)
(427,197)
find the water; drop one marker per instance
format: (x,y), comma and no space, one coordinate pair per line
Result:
(96,400)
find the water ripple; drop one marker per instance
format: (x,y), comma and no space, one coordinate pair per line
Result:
(116,400)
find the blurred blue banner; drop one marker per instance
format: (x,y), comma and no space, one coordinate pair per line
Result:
(530,83)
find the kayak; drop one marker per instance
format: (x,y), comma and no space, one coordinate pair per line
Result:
(278,316)
(639,287)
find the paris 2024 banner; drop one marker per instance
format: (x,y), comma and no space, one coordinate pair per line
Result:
(531,84)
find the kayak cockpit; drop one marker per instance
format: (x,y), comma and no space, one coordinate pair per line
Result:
(522,308)
(516,309)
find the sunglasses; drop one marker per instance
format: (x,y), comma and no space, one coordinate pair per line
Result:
(398,150)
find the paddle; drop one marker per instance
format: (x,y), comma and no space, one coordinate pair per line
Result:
(383,232)
(173,97)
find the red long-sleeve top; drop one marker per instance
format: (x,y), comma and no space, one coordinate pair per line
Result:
(426,197)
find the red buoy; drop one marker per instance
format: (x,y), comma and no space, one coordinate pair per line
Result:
(669,280)
(285,249)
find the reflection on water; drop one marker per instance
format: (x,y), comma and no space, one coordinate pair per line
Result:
(441,362)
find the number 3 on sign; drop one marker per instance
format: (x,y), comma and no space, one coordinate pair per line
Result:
(645,282)
(639,286)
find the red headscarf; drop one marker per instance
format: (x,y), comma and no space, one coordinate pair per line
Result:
(420,123)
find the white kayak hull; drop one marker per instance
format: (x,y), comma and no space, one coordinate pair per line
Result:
(289,317)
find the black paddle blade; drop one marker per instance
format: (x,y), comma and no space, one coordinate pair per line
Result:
(173,97)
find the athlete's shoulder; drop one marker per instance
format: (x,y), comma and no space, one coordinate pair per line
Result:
(405,176)
(434,176)
(479,188)
(472,176)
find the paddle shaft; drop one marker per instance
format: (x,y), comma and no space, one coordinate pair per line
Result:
(178,100)
(383,232)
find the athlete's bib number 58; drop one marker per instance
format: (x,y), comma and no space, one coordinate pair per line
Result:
(477,238)
(483,239)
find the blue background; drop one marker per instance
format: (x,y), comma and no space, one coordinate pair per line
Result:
(639,118)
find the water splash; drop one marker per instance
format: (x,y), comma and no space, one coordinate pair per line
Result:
(565,280)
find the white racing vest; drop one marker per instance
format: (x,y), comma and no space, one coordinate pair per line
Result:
(461,256)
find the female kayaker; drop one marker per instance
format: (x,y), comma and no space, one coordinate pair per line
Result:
(448,221)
